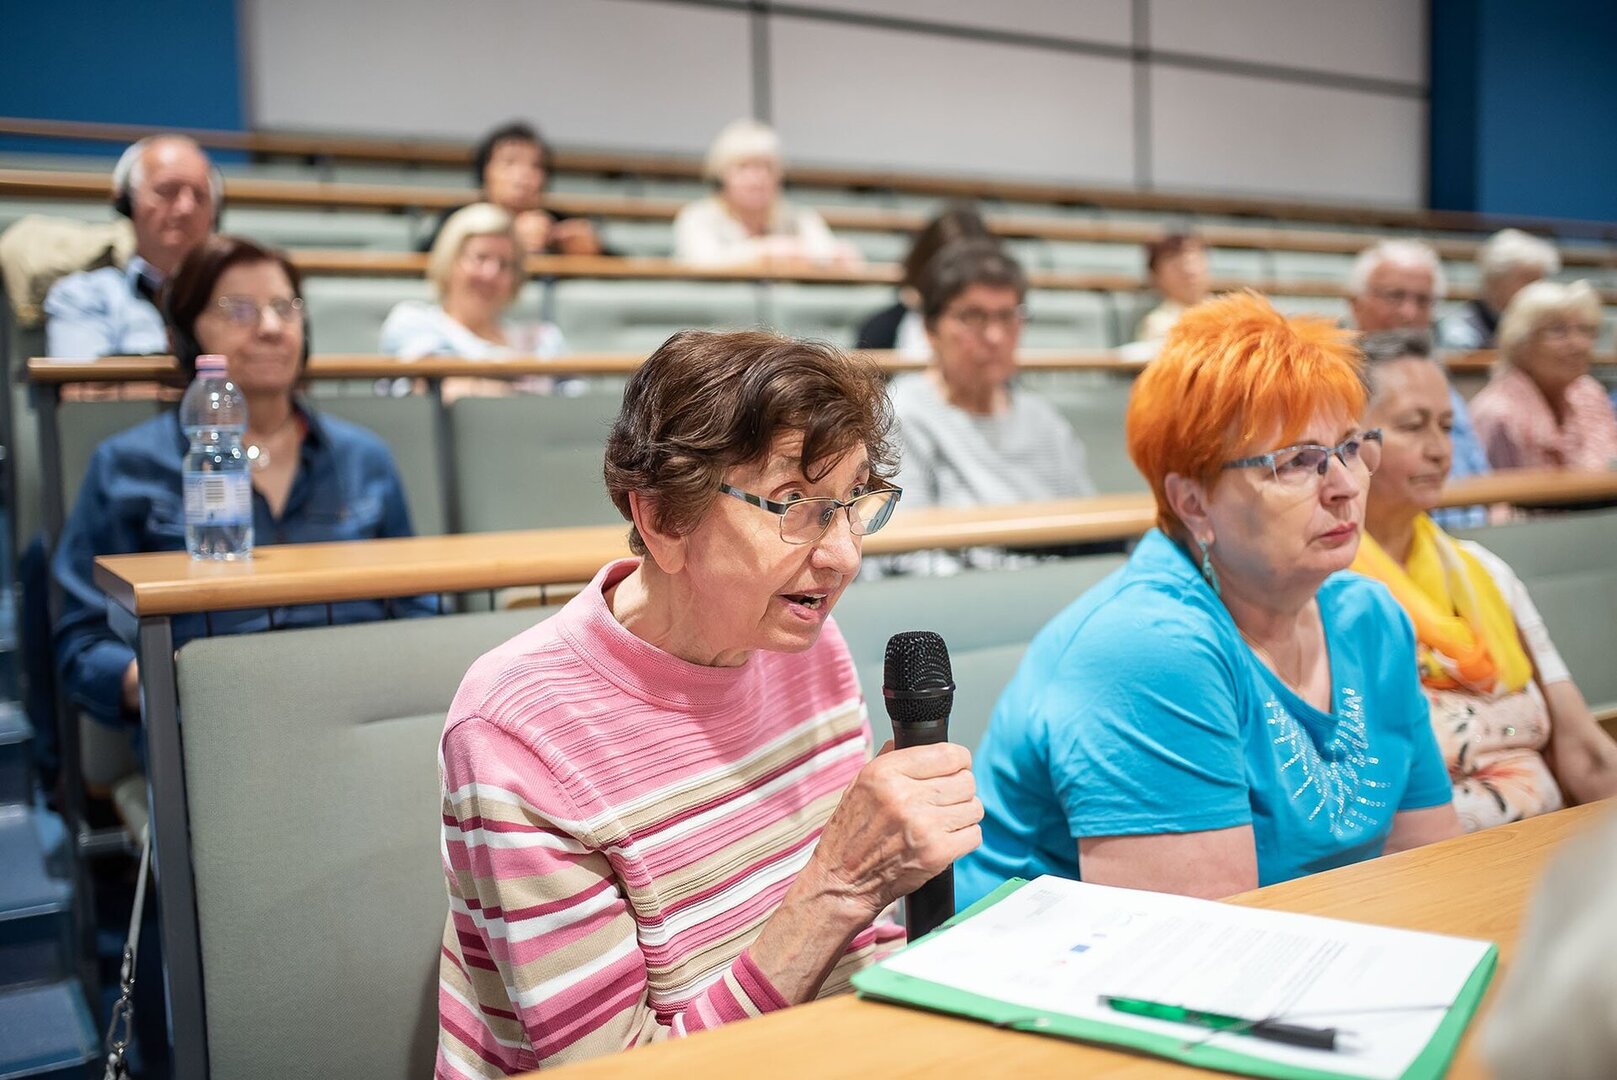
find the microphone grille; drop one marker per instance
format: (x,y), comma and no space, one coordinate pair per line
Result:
(918,660)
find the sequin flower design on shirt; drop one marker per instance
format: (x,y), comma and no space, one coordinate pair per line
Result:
(1336,783)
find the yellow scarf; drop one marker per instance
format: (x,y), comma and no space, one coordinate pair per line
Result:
(1465,634)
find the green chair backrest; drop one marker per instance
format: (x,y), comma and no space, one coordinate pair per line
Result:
(987,617)
(1569,564)
(406,425)
(533,461)
(313,796)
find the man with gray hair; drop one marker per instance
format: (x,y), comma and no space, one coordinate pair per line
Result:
(170,191)
(1509,260)
(1395,285)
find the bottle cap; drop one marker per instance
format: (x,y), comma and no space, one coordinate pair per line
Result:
(211,362)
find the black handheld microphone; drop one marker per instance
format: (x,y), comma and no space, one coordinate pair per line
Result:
(918,688)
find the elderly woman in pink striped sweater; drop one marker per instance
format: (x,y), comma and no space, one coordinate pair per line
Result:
(660,813)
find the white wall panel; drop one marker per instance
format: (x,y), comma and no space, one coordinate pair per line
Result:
(862,96)
(1256,136)
(1106,21)
(1384,39)
(626,73)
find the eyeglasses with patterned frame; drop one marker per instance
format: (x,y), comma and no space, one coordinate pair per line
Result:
(1306,463)
(803,521)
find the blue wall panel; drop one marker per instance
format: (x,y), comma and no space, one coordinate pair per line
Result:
(163,62)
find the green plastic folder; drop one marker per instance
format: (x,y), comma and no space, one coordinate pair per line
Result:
(880,984)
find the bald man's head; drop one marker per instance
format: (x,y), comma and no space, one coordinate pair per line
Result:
(171,199)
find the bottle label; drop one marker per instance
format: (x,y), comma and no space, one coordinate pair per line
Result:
(218,498)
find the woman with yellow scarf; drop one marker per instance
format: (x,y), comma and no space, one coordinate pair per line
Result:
(1516,733)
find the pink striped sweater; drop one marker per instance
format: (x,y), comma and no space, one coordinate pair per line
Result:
(617,826)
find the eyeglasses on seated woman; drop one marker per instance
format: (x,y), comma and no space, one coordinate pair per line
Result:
(681,754)
(1515,731)
(1227,710)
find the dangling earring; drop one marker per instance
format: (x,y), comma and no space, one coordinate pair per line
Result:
(1207,565)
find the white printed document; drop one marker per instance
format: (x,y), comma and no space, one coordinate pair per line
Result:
(1044,955)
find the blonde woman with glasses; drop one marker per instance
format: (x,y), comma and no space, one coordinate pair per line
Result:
(476,270)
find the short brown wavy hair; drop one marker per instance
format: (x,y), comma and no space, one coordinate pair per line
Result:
(706,402)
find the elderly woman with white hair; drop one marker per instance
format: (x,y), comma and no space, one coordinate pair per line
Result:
(1542,408)
(747,220)
(1509,260)
(476,269)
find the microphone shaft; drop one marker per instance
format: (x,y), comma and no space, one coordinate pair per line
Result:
(930,906)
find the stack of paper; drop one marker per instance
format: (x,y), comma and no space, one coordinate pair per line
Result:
(1042,955)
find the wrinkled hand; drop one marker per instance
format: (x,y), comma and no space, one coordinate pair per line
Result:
(533,230)
(906,816)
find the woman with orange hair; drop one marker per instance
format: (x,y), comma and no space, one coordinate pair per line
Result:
(1226,710)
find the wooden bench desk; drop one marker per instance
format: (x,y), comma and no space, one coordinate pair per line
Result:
(162,584)
(1473,886)
(395,198)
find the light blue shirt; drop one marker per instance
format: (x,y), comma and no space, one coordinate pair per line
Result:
(1469,459)
(101,313)
(1140,710)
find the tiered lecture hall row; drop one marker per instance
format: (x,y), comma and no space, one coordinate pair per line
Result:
(1082,245)
(247,871)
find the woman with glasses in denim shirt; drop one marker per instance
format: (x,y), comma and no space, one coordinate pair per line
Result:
(659,810)
(1227,710)
(314,477)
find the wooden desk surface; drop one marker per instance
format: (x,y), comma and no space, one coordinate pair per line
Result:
(170,583)
(345,263)
(49,370)
(1474,886)
(254,191)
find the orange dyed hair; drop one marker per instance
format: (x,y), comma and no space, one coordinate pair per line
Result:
(1230,371)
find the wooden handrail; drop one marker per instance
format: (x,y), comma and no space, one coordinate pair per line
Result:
(339,263)
(450,152)
(171,583)
(59,371)
(250,191)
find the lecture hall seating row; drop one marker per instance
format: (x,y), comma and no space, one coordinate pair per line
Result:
(247,870)
(456,154)
(399,198)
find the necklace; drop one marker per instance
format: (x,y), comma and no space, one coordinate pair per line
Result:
(1293,681)
(258,452)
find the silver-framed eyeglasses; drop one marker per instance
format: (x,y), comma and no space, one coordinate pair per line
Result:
(803,521)
(1305,464)
(245,311)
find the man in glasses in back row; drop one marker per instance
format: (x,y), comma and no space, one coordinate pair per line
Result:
(1396,285)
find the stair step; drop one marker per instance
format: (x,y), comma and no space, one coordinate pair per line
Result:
(46,1033)
(16,756)
(36,916)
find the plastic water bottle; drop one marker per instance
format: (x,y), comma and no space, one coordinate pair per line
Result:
(216,474)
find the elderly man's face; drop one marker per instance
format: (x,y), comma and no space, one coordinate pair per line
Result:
(172,206)
(1398,296)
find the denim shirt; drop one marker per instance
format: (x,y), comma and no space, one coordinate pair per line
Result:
(102,313)
(346,488)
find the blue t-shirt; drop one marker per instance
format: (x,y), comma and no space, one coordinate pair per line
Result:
(1140,710)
